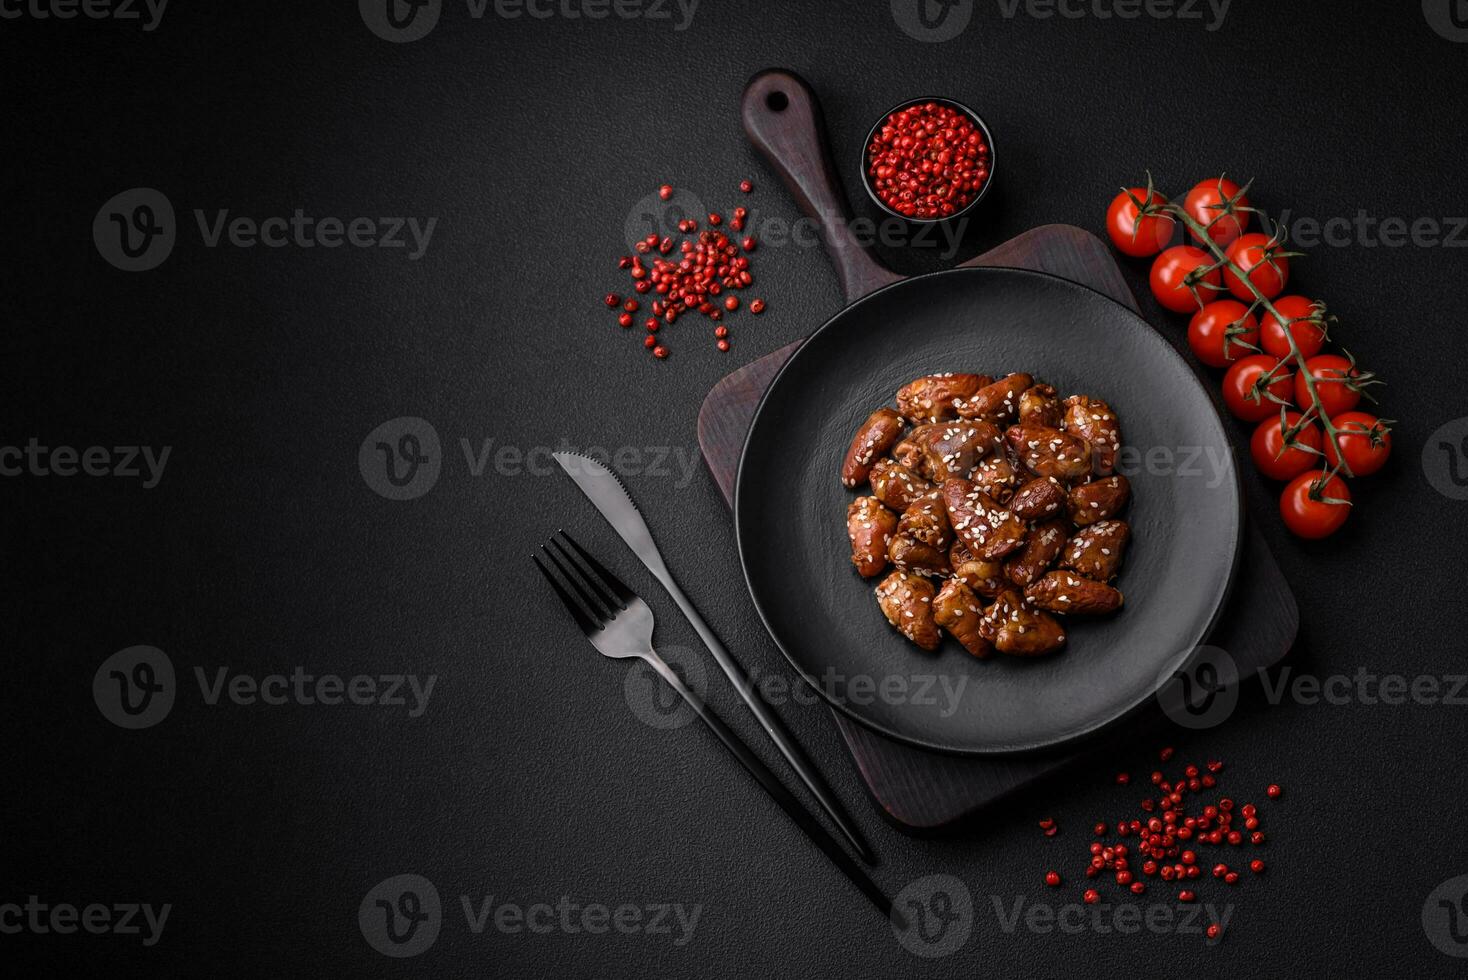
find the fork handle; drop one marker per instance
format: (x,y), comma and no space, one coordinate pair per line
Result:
(787,801)
(767,719)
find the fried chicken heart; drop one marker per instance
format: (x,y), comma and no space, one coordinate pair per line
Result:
(986,528)
(957,610)
(870,527)
(1072,594)
(907,602)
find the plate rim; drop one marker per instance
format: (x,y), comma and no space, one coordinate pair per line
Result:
(1186,657)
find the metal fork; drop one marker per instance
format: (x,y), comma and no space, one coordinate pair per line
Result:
(619,624)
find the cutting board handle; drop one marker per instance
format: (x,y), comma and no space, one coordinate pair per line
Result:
(783,120)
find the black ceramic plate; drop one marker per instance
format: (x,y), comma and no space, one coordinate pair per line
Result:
(790,510)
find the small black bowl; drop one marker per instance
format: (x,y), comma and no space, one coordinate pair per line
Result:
(866,178)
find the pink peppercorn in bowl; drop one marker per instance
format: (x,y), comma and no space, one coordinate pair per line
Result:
(928,160)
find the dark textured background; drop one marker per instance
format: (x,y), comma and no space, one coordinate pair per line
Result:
(528,777)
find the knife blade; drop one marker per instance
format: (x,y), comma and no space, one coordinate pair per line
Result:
(607,494)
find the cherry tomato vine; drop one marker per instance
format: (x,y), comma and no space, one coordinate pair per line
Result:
(1231,280)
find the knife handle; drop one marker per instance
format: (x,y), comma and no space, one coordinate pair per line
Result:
(777,791)
(768,719)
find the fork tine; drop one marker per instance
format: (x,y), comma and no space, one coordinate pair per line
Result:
(576,579)
(612,582)
(582,620)
(590,580)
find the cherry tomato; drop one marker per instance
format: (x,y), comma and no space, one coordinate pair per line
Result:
(1214,337)
(1138,238)
(1363,440)
(1268,274)
(1204,205)
(1285,462)
(1305,509)
(1238,386)
(1170,273)
(1296,310)
(1331,374)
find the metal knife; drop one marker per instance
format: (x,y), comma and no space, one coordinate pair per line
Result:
(605,491)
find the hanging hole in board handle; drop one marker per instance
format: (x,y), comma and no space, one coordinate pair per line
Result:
(777,101)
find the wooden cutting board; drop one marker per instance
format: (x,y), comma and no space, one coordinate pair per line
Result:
(919,790)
